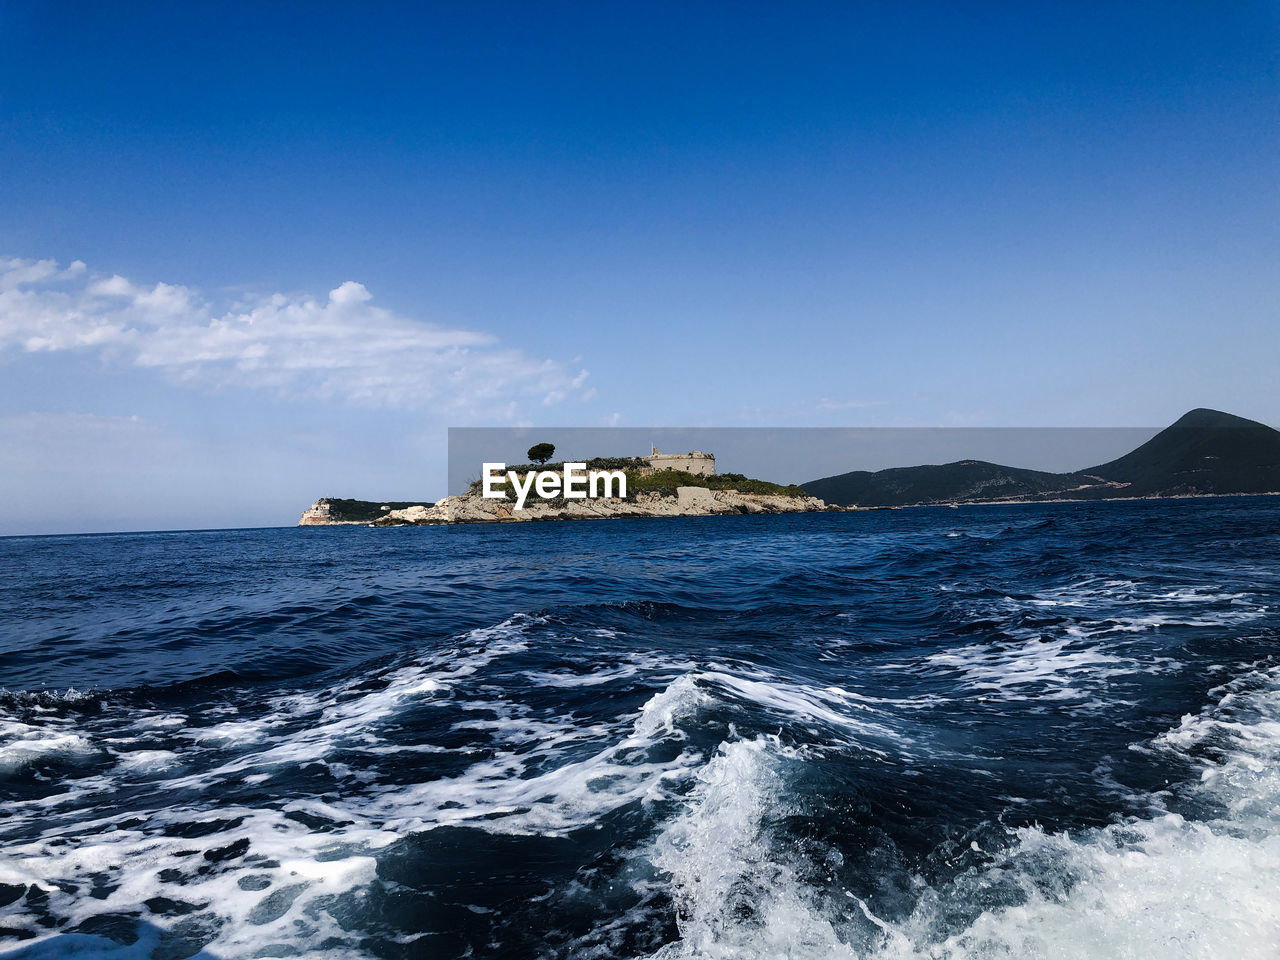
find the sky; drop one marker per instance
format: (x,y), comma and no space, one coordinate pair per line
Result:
(253,255)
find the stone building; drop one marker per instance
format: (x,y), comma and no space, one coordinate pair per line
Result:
(698,463)
(316,515)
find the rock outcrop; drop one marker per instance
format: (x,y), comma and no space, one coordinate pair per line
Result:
(688,502)
(319,515)
(339,511)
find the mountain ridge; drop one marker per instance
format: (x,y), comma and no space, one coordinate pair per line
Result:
(1205,452)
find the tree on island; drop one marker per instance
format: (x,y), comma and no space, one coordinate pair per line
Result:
(541,452)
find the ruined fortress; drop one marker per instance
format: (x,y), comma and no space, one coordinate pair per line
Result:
(698,463)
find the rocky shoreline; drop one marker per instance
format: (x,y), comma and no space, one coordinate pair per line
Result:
(687,502)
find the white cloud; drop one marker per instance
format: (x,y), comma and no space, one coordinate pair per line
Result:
(15,272)
(340,348)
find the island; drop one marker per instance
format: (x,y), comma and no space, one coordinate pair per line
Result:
(658,485)
(1205,453)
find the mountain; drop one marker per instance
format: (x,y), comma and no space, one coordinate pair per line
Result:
(964,480)
(1204,452)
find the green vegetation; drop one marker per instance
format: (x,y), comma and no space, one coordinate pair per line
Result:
(541,452)
(666,481)
(364,511)
(663,482)
(964,480)
(1205,452)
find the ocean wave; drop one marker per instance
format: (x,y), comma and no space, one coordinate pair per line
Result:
(848,736)
(24,746)
(294,870)
(1134,889)
(733,894)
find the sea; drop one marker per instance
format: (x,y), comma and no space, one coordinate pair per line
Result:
(1023,731)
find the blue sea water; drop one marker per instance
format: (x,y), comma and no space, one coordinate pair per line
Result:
(1024,731)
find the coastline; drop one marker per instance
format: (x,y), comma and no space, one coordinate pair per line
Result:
(1004,503)
(687,502)
(467,509)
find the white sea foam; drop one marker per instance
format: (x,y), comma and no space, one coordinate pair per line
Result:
(288,858)
(1237,747)
(543,775)
(521,791)
(830,706)
(1102,637)
(1179,606)
(1166,886)
(149,761)
(1163,887)
(263,894)
(23,746)
(1035,668)
(734,895)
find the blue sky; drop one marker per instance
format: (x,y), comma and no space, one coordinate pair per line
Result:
(259,256)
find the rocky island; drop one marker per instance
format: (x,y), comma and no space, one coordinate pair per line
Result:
(1205,453)
(660,485)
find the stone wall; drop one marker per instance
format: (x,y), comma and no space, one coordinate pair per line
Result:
(316,515)
(698,463)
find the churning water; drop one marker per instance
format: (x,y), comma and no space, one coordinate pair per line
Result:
(1007,732)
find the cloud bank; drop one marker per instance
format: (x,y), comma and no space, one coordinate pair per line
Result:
(341,348)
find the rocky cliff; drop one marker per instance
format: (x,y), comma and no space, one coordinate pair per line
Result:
(336,511)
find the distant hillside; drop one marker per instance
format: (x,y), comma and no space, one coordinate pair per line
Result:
(964,480)
(1205,452)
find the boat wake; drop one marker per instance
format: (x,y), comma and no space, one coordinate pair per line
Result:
(944,766)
